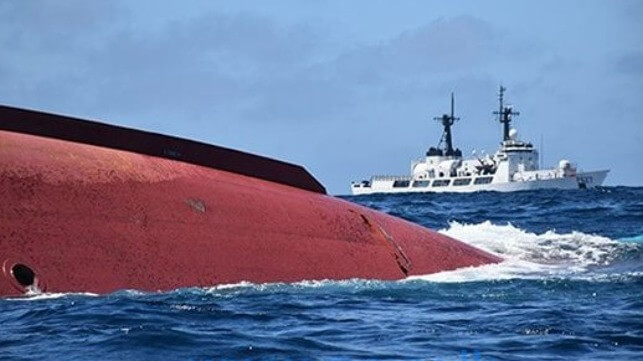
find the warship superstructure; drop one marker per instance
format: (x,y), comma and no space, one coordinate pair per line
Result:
(515,166)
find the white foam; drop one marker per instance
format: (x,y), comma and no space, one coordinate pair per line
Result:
(529,255)
(526,256)
(226,286)
(37,296)
(304,284)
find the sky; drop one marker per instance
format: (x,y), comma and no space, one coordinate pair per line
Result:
(347,89)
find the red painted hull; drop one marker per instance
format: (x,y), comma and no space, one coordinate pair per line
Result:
(86,218)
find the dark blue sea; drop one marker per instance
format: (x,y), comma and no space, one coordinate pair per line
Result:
(570,288)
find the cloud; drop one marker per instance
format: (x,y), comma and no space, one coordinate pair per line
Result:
(81,56)
(250,80)
(43,46)
(630,64)
(49,26)
(243,65)
(415,64)
(442,45)
(233,67)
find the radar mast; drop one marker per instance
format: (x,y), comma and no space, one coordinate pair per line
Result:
(504,113)
(447,121)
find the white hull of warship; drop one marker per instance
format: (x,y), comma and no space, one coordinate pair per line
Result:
(514,167)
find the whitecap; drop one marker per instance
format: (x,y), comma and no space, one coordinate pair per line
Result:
(37,296)
(530,255)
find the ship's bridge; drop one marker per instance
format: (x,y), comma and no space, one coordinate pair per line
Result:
(516,156)
(513,145)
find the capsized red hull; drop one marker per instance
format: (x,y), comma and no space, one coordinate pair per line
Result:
(86,218)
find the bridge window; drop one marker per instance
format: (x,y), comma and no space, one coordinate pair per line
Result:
(483,180)
(441,182)
(462,182)
(401,184)
(421,184)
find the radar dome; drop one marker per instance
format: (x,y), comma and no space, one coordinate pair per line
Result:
(419,169)
(513,134)
(564,164)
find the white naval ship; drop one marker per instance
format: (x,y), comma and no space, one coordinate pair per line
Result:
(515,166)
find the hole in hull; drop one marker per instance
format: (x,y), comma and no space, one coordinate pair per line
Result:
(24,275)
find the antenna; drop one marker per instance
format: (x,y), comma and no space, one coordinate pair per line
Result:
(542,152)
(504,113)
(452,106)
(447,121)
(501,94)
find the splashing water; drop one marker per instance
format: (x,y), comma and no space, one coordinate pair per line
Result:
(534,256)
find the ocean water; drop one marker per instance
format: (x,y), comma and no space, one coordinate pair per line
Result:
(569,289)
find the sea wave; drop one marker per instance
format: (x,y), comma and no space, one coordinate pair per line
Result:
(550,254)
(527,255)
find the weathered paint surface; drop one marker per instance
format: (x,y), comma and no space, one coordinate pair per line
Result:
(94,219)
(159,145)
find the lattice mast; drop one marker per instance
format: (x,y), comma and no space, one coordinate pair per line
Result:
(505,114)
(447,121)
